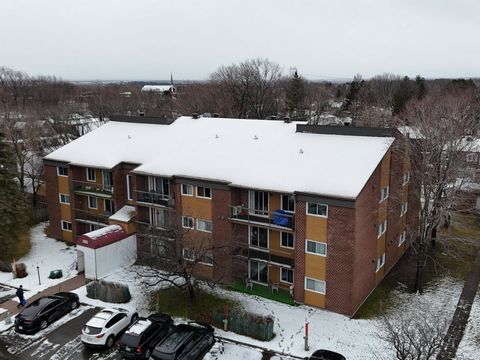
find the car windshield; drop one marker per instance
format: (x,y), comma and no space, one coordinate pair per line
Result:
(130,339)
(90,330)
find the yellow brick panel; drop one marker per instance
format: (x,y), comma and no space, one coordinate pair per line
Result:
(65,212)
(316,228)
(314,299)
(197,208)
(63,187)
(67,236)
(315,266)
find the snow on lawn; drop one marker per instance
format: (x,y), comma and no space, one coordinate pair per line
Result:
(469,347)
(48,254)
(227,351)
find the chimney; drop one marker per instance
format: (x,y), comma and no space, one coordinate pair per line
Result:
(195,115)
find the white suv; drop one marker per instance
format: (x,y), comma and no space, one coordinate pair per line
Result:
(106,325)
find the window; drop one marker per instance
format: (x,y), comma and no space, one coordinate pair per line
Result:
(62,171)
(157,217)
(205,258)
(404,209)
(316,247)
(258,271)
(187,222)
(286,275)
(92,202)
(382,228)
(288,203)
(286,240)
(258,202)
(129,187)
(91,174)
(67,226)
(187,189)
(384,193)
(315,285)
(159,185)
(188,254)
(92,227)
(204,192)
(402,238)
(204,225)
(107,180)
(406,178)
(471,157)
(380,262)
(258,237)
(317,209)
(64,199)
(109,207)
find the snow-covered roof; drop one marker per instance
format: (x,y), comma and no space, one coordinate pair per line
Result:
(125,214)
(411,131)
(139,327)
(259,154)
(159,88)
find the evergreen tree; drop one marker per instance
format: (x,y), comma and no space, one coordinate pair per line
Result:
(295,93)
(12,203)
(404,92)
(421,89)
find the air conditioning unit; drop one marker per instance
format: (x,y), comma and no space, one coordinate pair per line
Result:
(88,188)
(237,210)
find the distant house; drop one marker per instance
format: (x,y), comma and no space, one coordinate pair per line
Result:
(320,211)
(164,89)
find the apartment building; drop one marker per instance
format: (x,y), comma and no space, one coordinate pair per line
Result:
(322,211)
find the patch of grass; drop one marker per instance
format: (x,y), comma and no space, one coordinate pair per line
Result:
(177,303)
(282,296)
(21,247)
(379,301)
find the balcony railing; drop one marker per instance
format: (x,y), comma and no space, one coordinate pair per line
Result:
(154,198)
(94,189)
(144,227)
(270,256)
(276,219)
(92,216)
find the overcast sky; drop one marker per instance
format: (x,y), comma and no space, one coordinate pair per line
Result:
(149,39)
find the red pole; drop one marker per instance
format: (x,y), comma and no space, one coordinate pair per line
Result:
(306,329)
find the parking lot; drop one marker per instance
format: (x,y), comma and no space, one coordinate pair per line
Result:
(61,340)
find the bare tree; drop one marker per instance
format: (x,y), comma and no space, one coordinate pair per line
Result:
(441,123)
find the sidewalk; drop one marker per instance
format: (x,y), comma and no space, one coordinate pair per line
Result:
(67,285)
(462,312)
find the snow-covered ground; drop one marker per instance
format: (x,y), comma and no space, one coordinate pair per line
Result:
(469,348)
(48,254)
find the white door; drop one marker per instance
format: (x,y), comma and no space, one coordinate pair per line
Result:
(80,261)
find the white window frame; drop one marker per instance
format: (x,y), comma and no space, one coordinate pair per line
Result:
(380,263)
(281,239)
(281,277)
(66,196)
(206,222)
(189,218)
(96,202)
(318,215)
(382,228)
(187,186)
(402,238)
(384,193)
(316,280)
(258,247)
(64,222)
(87,176)
(404,209)
(129,184)
(251,203)
(406,178)
(58,171)
(204,189)
(281,203)
(325,246)
(201,259)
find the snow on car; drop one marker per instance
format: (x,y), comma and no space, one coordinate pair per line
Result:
(102,329)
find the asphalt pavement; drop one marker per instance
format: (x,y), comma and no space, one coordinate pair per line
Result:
(59,341)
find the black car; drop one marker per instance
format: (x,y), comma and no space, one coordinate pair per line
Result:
(185,341)
(45,310)
(141,337)
(325,355)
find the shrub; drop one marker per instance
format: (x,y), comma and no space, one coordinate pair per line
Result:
(109,292)
(21,270)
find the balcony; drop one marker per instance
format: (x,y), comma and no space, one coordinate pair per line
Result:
(154,198)
(277,219)
(92,189)
(91,217)
(270,256)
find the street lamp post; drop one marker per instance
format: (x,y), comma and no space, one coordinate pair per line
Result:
(38,272)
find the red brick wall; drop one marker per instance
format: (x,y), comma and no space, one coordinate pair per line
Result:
(366,221)
(299,267)
(119,187)
(51,181)
(221,236)
(340,257)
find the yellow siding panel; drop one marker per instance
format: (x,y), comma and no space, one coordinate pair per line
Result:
(67,236)
(65,212)
(197,208)
(314,299)
(385,170)
(315,266)
(381,245)
(63,187)
(274,203)
(273,274)
(316,228)
(379,275)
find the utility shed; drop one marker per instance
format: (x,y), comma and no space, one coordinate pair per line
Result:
(124,217)
(103,251)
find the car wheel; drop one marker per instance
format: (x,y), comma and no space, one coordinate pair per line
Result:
(134,318)
(73,305)
(147,354)
(109,342)
(43,324)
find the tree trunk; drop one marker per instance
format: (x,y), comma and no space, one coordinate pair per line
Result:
(434,237)
(191,289)
(420,267)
